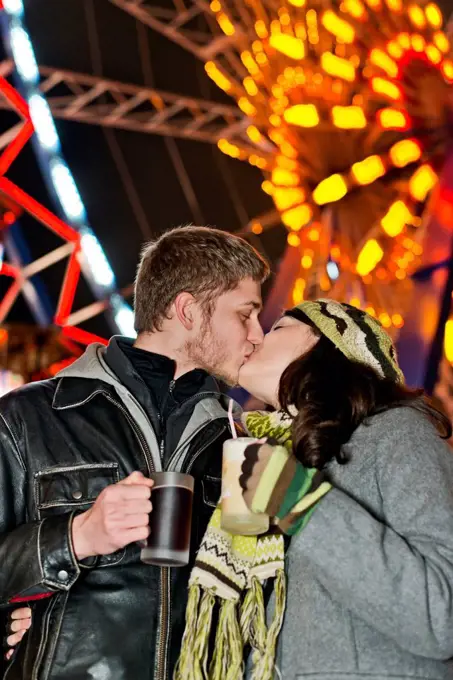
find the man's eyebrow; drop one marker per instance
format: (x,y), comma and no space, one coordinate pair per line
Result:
(254,304)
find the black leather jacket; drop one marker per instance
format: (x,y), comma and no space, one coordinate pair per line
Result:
(61,442)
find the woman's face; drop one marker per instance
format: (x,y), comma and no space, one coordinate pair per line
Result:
(286,341)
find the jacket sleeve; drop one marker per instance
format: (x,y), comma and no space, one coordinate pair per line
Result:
(396,574)
(36,558)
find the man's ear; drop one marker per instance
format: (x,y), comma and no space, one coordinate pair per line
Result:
(184,309)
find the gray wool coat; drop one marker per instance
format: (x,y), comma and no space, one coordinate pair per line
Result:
(370,578)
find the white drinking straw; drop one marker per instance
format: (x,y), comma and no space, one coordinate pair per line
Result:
(230,418)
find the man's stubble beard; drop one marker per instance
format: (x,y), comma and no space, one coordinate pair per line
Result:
(209,353)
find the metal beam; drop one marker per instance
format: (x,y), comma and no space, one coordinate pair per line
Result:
(206,41)
(98,101)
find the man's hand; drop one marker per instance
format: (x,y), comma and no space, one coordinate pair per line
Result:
(118,517)
(20,622)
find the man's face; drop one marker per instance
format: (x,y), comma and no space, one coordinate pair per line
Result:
(227,338)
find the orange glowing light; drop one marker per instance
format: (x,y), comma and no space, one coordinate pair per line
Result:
(261,29)
(306,262)
(225,24)
(386,88)
(448,340)
(298,291)
(254,134)
(422,181)
(246,106)
(250,86)
(370,255)
(405,152)
(257,228)
(392,119)
(383,61)
(288,45)
(217,76)
(303,115)
(331,189)
(348,117)
(369,170)
(293,240)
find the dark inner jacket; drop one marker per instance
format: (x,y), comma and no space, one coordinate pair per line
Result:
(61,442)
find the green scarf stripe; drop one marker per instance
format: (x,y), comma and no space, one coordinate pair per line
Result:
(299,486)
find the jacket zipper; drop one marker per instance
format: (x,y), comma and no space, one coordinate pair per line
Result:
(165,580)
(165,608)
(145,448)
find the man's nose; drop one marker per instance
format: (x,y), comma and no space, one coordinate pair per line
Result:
(255,334)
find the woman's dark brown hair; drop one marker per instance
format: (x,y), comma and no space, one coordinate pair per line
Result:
(333,395)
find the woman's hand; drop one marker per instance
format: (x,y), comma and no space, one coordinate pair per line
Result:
(19,623)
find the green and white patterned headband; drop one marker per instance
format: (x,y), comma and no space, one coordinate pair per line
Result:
(355,333)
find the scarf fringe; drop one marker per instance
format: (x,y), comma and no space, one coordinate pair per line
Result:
(234,630)
(264,659)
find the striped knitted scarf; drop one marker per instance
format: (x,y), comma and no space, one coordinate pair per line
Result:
(230,571)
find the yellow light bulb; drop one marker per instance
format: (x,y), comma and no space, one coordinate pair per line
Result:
(285,198)
(394,49)
(338,67)
(370,255)
(261,29)
(288,45)
(418,42)
(298,290)
(417,16)
(385,88)
(396,218)
(225,24)
(254,134)
(246,106)
(392,119)
(303,115)
(217,76)
(296,218)
(383,61)
(405,152)
(250,86)
(285,178)
(448,340)
(330,190)
(348,117)
(433,54)
(434,15)
(338,27)
(395,5)
(441,42)
(447,70)
(368,170)
(422,181)
(355,8)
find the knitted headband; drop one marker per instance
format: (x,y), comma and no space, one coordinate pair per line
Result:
(355,333)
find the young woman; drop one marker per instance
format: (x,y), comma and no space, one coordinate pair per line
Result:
(370,563)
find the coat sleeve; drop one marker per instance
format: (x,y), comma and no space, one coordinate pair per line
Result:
(395,573)
(36,558)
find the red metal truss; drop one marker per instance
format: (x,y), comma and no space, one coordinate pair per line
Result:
(47,218)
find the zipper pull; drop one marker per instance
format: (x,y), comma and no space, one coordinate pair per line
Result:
(171,386)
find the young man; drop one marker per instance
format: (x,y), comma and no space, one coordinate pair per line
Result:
(76,452)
